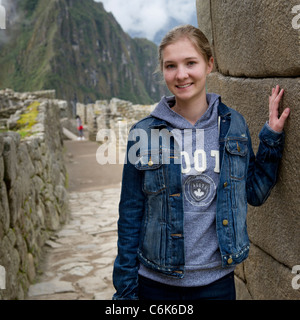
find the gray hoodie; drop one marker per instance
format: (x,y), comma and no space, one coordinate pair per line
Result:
(200,178)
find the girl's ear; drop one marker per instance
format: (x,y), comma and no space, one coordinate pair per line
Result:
(210,65)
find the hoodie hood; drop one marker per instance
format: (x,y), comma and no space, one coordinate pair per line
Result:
(165,112)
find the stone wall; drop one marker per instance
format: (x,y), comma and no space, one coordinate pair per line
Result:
(111,115)
(256,47)
(33,197)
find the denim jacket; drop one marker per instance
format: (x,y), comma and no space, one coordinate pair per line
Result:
(151,217)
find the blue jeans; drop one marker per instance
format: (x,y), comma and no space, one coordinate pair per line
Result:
(222,289)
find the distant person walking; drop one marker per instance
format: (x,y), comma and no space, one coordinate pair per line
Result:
(80,128)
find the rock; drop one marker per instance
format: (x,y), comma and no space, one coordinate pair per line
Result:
(273,225)
(28,171)
(63,109)
(49,94)
(275,280)
(52,244)
(10,160)
(50,287)
(85,247)
(205,23)
(91,284)
(67,233)
(61,197)
(252,39)
(12,122)
(70,135)
(31,269)
(77,269)
(52,217)
(16,196)
(242,292)
(4,210)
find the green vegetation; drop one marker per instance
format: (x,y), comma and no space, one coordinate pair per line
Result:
(29,5)
(28,120)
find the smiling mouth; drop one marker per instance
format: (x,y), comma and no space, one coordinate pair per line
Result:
(184,86)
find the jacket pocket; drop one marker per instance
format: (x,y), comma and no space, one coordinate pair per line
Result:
(238,151)
(151,164)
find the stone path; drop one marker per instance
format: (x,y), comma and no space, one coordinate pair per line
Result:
(79,258)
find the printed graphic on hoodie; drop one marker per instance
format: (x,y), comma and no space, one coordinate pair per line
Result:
(199,190)
(199,166)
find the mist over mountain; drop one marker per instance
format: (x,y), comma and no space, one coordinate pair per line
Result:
(151,19)
(171,24)
(162,32)
(78,49)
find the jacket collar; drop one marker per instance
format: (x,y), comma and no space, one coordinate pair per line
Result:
(158,123)
(223,111)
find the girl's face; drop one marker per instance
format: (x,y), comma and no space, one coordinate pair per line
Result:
(185,70)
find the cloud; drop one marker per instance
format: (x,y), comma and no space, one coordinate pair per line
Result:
(11,18)
(149,17)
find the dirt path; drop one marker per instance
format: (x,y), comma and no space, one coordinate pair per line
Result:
(79,258)
(85,174)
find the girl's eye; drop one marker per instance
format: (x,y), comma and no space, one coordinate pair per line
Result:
(170,66)
(191,63)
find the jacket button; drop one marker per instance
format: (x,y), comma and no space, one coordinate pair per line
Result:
(225,184)
(230,261)
(225,222)
(150,163)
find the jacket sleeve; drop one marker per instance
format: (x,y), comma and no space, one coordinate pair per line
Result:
(263,168)
(131,209)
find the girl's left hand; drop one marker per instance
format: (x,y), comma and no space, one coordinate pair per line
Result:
(276,123)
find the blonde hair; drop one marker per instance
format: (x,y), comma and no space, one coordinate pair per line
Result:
(190,32)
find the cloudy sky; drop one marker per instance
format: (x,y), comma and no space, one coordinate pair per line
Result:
(148,18)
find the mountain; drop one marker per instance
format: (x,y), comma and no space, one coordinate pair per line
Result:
(78,49)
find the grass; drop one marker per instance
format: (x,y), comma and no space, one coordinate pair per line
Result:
(28,119)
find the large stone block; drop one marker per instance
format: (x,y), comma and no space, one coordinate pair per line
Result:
(267,279)
(10,160)
(242,292)
(204,18)
(252,38)
(4,210)
(205,24)
(52,217)
(275,226)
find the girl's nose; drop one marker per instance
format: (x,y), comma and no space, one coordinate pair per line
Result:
(181,73)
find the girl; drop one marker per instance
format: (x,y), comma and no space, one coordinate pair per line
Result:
(189,174)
